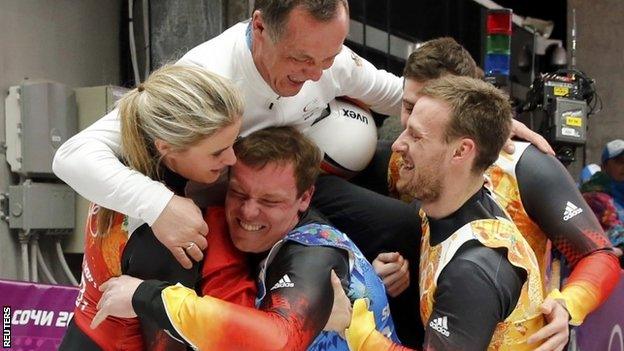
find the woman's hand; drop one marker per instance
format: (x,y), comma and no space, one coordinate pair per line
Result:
(182,229)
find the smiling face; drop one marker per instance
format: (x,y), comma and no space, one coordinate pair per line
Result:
(262,205)
(303,51)
(424,152)
(204,161)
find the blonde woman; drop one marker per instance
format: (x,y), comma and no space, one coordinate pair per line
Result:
(179,125)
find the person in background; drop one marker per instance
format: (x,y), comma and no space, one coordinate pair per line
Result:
(604,192)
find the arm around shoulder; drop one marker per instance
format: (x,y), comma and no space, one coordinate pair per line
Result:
(357,78)
(89,163)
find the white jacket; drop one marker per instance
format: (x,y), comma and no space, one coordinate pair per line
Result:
(89,162)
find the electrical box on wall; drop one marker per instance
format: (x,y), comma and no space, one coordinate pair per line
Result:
(93,103)
(40,116)
(48,206)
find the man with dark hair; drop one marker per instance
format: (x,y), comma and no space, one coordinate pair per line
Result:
(479,278)
(267,214)
(438,57)
(434,59)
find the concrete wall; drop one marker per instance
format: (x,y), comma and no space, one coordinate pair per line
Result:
(600,54)
(75,42)
(237,11)
(179,25)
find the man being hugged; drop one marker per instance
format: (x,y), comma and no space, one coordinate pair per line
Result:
(267,213)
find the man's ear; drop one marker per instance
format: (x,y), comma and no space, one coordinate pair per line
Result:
(257,23)
(162,147)
(306,197)
(465,150)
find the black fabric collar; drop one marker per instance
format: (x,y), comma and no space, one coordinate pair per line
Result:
(173,181)
(479,206)
(311,216)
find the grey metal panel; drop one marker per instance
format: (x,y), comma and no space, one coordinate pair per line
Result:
(179,25)
(48,119)
(75,42)
(237,11)
(566,109)
(34,206)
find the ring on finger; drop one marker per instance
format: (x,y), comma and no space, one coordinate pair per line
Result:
(189,246)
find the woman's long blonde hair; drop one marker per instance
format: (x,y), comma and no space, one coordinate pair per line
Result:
(180,105)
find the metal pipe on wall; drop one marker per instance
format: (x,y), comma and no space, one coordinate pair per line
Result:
(34,246)
(44,267)
(24,245)
(64,265)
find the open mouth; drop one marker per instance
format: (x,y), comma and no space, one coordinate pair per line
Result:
(250,227)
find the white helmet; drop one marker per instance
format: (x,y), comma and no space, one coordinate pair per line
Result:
(347,134)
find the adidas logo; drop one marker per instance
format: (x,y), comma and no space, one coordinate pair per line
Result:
(570,211)
(283,283)
(441,325)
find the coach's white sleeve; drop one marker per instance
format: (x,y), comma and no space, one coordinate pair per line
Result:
(357,78)
(89,163)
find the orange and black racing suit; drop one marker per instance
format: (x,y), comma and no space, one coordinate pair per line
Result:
(294,302)
(544,203)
